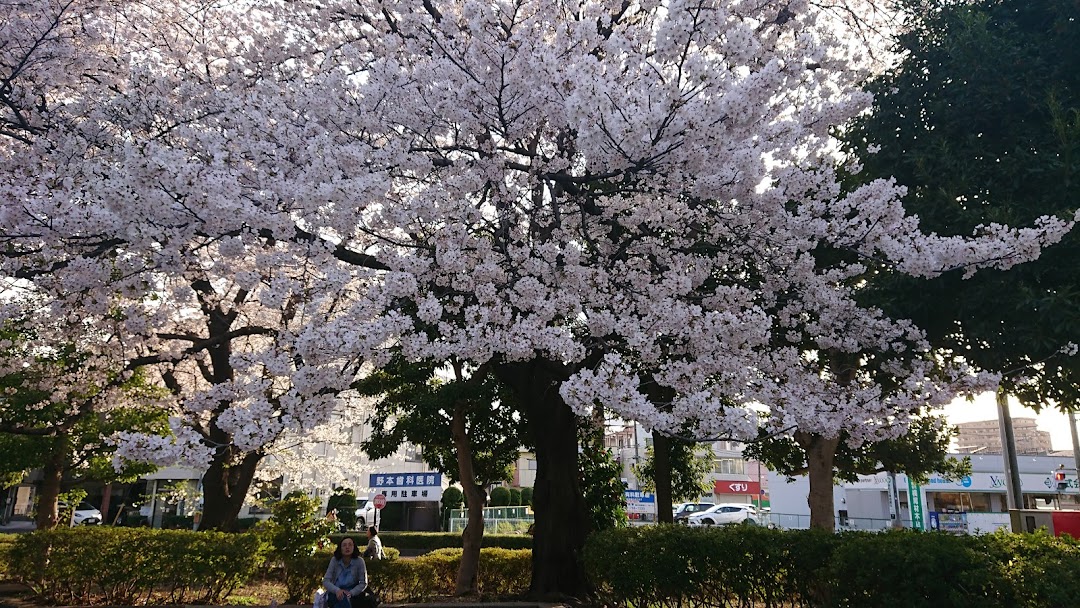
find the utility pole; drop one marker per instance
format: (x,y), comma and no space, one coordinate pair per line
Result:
(1014,492)
(1076,442)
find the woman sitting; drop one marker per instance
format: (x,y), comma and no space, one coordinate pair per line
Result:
(346,576)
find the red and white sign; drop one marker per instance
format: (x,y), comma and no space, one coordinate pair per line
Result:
(723,486)
(379,501)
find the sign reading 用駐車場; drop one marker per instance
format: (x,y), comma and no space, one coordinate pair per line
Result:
(407,487)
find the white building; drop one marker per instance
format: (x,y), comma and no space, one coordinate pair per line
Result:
(975,504)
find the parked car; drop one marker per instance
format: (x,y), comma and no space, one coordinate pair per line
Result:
(725,513)
(365,513)
(86,514)
(683,510)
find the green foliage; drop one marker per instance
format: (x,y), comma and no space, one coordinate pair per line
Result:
(515,497)
(415,406)
(6,543)
(923,450)
(127,566)
(344,500)
(526,496)
(68,502)
(981,120)
(502,572)
(691,465)
(296,530)
(420,542)
(500,497)
(601,478)
(744,566)
(452,498)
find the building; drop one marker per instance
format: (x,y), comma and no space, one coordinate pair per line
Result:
(975,504)
(984,437)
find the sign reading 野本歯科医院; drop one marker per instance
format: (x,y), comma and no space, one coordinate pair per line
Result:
(407,487)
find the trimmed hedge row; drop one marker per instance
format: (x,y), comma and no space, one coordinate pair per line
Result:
(6,542)
(750,566)
(412,542)
(130,566)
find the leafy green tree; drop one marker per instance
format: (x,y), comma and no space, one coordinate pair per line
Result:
(468,428)
(526,496)
(452,498)
(921,451)
(690,467)
(499,497)
(67,437)
(296,530)
(981,121)
(515,497)
(344,501)
(600,476)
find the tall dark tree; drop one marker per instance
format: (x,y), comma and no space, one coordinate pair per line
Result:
(981,121)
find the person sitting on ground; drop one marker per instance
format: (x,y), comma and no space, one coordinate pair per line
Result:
(346,576)
(374,544)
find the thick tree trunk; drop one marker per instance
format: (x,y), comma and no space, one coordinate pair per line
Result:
(561,519)
(106,502)
(473,535)
(52,474)
(661,446)
(225,486)
(820,454)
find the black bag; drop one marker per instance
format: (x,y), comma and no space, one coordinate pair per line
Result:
(366,599)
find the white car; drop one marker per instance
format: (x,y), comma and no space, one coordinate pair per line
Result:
(365,513)
(725,513)
(86,514)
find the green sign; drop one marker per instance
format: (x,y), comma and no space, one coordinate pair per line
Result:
(914,493)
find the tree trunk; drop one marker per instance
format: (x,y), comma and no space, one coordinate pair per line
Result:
(820,454)
(106,502)
(561,518)
(473,535)
(661,446)
(225,486)
(48,516)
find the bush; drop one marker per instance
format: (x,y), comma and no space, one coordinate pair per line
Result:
(421,542)
(502,572)
(452,498)
(526,496)
(744,565)
(344,500)
(6,543)
(177,522)
(500,497)
(515,497)
(296,531)
(128,566)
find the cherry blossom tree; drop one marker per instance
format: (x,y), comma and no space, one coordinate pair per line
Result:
(127,208)
(626,202)
(587,194)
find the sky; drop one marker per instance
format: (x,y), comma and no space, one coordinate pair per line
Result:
(984,407)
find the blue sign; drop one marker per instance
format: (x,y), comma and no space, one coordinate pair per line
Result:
(639,496)
(405,480)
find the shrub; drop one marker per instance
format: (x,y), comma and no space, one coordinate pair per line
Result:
(502,572)
(526,496)
(421,542)
(6,542)
(500,497)
(515,497)
(128,566)
(752,566)
(344,500)
(296,531)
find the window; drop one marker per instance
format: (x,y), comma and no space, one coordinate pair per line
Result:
(729,466)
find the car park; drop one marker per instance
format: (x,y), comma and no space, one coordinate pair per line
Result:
(681,511)
(725,513)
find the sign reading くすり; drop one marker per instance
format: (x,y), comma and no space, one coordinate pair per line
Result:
(723,486)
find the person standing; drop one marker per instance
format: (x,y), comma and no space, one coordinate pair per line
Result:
(346,576)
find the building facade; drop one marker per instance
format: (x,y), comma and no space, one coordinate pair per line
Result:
(984,437)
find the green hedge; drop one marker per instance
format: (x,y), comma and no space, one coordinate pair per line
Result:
(6,543)
(502,572)
(418,542)
(751,566)
(130,566)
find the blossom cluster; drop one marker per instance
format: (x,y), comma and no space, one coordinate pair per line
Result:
(258,201)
